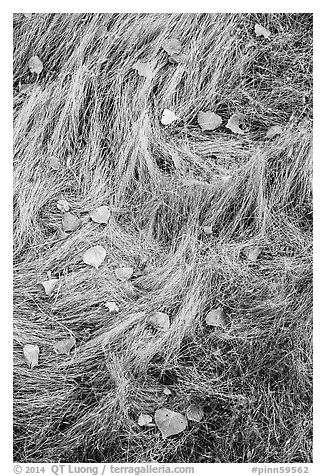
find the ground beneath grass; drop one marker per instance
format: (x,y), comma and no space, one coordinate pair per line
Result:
(187,209)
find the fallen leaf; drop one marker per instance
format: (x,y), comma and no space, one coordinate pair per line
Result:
(49,286)
(64,346)
(100,214)
(195,413)
(160,321)
(25,88)
(112,306)
(144,69)
(273,131)
(124,273)
(209,121)
(144,419)
(178,58)
(70,222)
(172,46)
(168,117)
(63,205)
(94,256)
(35,65)
(261,31)
(31,353)
(252,252)
(60,235)
(208,229)
(169,422)
(28,15)
(234,123)
(130,290)
(167,391)
(54,162)
(101,32)
(216,318)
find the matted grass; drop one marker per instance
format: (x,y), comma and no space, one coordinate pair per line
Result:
(95,113)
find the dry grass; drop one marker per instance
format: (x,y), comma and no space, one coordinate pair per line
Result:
(93,111)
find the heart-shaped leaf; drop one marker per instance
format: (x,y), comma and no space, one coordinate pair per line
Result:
(234,123)
(94,256)
(49,286)
(35,65)
(70,222)
(144,69)
(273,131)
(160,321)
(112,306)
(195,413)
(172,46)
(209,121)
(216,318)
(63,205)
(261,31)
(252,252)
(168,117)
(144,419)
(124,273)
(64,346)
(54,162)
(169,422)
(31,353)
(100,214)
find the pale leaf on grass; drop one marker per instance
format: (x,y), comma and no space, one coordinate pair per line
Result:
(168,117)
(94,256)
(70,222)
(216,318)
(167,391)
(101,32)
(144,419)
(208,229)
(144,69)
(28,15)
(172,46)
(195,413)
(169,422)
(262,31)
(31,353)
(160,321)
(234,123)
(252,252)
(124,273)
(100,214)
(63,205)
(273,131)
(64,346)
(178,58)
(35,65)
(112,306)
(54,162)
(49,286)
(130,290)
(209,121)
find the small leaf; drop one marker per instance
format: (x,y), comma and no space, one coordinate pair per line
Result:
(63,205)
(101,32)
(35,65)
(130,290)
(170,422)
(144,419)
(123,274)
(64,346)
(261,31)
(208,229)
(100,214)
(94,256)
(144,69)
(160,321)
(168,117)
(273,131)
(167,391)
(54,162)
(234,123)
(172,46)
(195,413)
(209,121)
(28,15)
(112,306)
(49,286)
(31,353)
(216,318)
(70,222)
(252,252)
(178,58)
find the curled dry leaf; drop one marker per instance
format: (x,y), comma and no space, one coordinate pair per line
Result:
(112,306)
(144,419)
(195,413)
(64,346)
(63,205)
(94,256)
(100,214)
(252,252)
(144,69)
(35,65)
(261,31)
(209,121)
(49,286)
(273,131)
(160,321)
(169,422)
(31,353)
(168,117)
(54,162)
(124,273)
(172,46)
(216,318)
(70,222)
(234,123)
